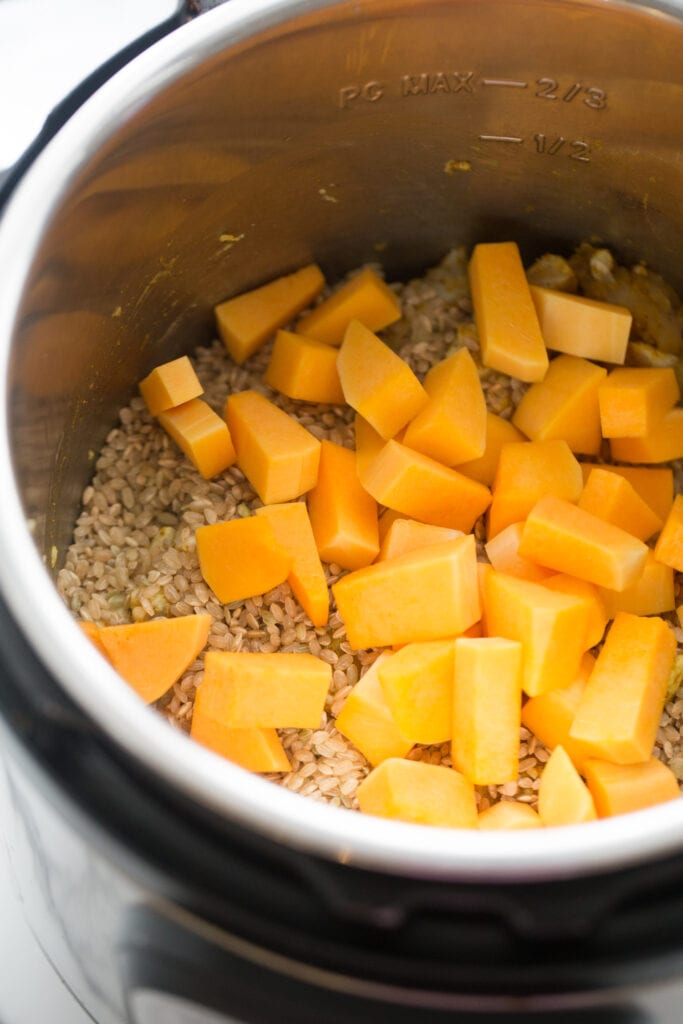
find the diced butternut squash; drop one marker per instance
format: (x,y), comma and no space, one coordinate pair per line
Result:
(257,750)
(509,332)
(563,796)
(504,556)
(293,532)
(408,535)
(421,793)
(526,472)
(247,321)
(277,455)
(664,443)
(264,691)
(304,368)
(582,327)
(634,399)
(619,712)
(368,444)
(611,497)
(364,297)
(550,625)
(651,594)
(509,814)
(487,698)
(201,434)
(376,382)
(393,602)
(172,383)
(565,405)
(417,682)
(654,485)
(484,569)
(367,721)
(597,615)
(451,427)
(669,546)
(387,517)
(343,514)
(92,632)
(498,433)
(241,558)
(423,489)
(564,537)
(549,716)
(622,788)
(151,656)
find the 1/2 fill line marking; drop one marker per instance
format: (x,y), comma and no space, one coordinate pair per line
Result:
(500,138)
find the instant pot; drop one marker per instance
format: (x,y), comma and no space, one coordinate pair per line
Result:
(165,885)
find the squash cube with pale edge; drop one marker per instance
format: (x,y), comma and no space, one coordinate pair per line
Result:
(634,399)
(622,788)
(376,382)
(364,297)
(420,793)
(201,435)
(619,712)
(367,721)
(669,546)
(654,485)
(527,471)
(343,515)
(611,497)
(582,327)
(170,384)
(417,682)
(247,321)
(241,558)
(498,433)
(304,369)
(652,593)
(503,554)
(394,602)
(277,455)
(292,529)
(509,814)
(597,613)
(549,716)
(405,535)
(563,796)
(664,443)
(368,444)
(264,691)
(257,750)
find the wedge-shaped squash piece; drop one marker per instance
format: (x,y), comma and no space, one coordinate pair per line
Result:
(241,558)
(611,497)
(651,594)
(509,814)
(664,443)
(408,535)
(172,383)
(526,472)
(654,485)
(257,750)
(504,556)
(597,615)
(394,602)
(487,698)
(368,444)
(550,715)
(247,321)
(367,721)
(565,405)
(509,333)
(386,519)
(292,529)
(634,399)
(304,368)
(376,382)
(152,656)
(621,788)
(364,297)
(564,537)
(498,433)
(277,455)
(563,796)
(423,489)
(201,434)
(551,626)
(451,427)
(669,546)
(92,631)
(619,711)
(417,682)
(582,327)
(421,793)
(343,514)
(264,691)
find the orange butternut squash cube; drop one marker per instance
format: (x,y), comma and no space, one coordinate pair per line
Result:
(277,455)
(304,368)
(408,535)
(504,556)
(92,632)
(172,383)
(509,333)
(376,382)
(597,615)
(622,788)
(669,546)
(564,405)
(152,656)
(563,796)
(421,793)
(364,297)
(264,691)
(200,434)
(241,558)
(619,712)
(526,472)
(654,485)
(509,814)
(634,399)
(451,427)
(564,537)
(385,520)
(417,682)
(368,444)
(498,433)
(257,750)
(611,497)
(664,443)
(487,698)
(423,489)
(343,514)
(582,327)
(367,721)
(292,530)
(394,602)
(651,594)
(549,716)
(247,321)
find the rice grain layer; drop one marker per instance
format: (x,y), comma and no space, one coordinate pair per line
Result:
(133,554)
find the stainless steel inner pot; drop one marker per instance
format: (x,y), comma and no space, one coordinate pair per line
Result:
(252,141)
